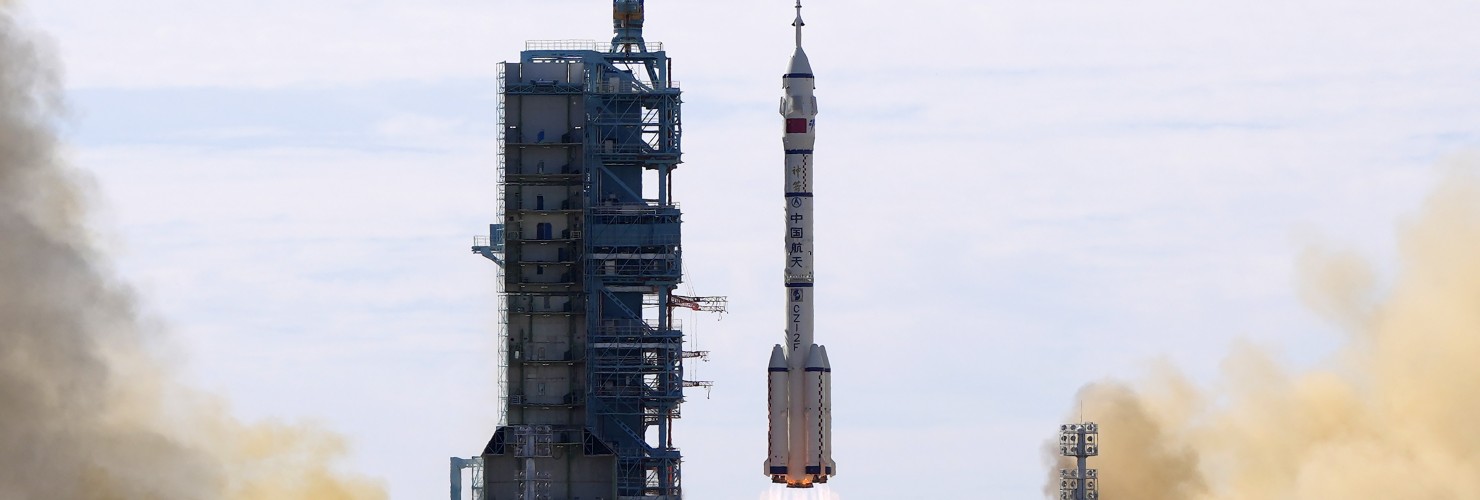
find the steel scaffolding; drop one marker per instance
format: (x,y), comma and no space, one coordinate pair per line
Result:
(588,234)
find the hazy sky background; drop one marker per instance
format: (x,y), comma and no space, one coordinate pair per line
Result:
(1014,199)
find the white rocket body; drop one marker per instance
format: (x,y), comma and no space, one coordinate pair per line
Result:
(800,377)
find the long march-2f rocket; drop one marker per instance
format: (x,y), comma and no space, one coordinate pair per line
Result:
(799,379)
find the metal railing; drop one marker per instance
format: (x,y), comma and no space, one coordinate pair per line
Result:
(632,328)
(631,87)
(601,240)
(647,207)
(595,45)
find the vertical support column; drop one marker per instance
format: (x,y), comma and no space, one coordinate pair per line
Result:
(1082,463)
(455,479)
(663,185)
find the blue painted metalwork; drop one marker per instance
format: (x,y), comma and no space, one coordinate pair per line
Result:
(619,248)
(636,368)
(475,465)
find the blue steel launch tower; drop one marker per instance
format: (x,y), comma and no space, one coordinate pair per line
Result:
(588,235)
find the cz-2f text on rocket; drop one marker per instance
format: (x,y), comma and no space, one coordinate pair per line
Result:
(800,379)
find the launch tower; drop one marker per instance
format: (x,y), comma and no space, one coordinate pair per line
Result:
(588,236)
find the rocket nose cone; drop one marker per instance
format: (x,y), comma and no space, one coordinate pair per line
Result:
(826,365)
(799,63)
(814,358)
(778,358)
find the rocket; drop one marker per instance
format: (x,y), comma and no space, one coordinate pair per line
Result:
(799,378)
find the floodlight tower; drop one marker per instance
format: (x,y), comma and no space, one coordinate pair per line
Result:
(1079,441)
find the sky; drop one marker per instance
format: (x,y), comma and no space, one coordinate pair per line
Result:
(1014,199)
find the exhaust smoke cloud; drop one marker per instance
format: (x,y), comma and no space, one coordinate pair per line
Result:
(1392,414)
(88,408)
(781,492)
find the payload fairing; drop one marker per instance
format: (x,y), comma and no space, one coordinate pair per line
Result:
(799,383)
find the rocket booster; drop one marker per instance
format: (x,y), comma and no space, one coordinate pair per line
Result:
(799,376)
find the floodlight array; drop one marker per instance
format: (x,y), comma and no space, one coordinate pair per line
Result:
(1079,441)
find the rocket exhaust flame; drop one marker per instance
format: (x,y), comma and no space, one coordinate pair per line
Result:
(1391,415)
(86,411)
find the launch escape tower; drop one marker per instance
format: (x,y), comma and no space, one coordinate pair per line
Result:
(589,235)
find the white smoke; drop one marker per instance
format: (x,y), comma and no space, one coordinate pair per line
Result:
(781,492)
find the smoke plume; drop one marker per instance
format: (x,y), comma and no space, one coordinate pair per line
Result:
(1393,413)
(818,492)
(88,408)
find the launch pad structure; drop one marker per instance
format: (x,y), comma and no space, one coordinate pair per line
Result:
(588,235)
